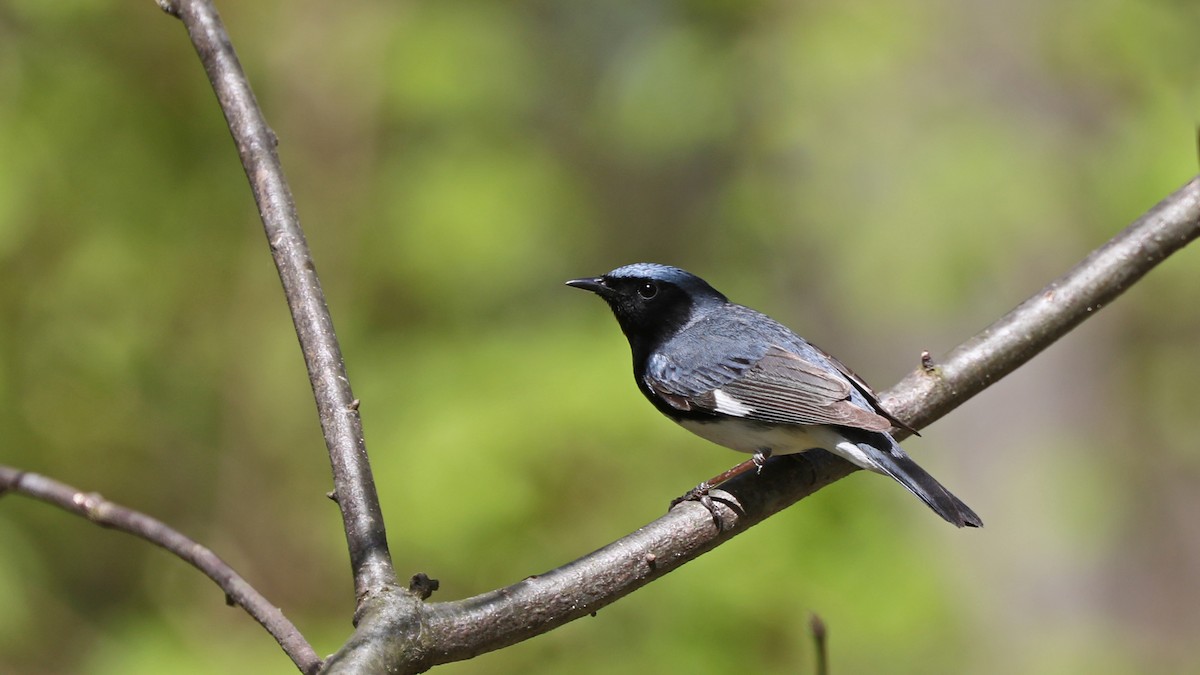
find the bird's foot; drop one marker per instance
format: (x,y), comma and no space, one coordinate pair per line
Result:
(700,494)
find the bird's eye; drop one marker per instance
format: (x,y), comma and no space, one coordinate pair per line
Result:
(648,290)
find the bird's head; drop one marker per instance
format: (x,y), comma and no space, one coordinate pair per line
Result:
(651,301)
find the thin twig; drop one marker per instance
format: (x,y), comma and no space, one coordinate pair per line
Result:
(111,515)
(338,409)
(820,635)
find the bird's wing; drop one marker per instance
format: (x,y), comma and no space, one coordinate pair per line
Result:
(780,386)
(866,390)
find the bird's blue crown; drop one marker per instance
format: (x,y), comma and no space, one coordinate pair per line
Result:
(673,275)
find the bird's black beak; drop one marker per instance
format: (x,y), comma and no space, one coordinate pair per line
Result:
(593,284)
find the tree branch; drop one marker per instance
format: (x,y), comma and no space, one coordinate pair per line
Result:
(393,636)
(354,487)
(108,514)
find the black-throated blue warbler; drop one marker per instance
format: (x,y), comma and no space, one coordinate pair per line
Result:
(740,379)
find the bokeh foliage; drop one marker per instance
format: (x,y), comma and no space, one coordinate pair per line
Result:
(884,177)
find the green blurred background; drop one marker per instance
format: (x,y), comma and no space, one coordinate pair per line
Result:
(883,177)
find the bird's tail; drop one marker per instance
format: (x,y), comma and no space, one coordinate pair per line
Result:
(895,463)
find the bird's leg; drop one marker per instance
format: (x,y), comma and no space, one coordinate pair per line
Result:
(760,458)
(700,492)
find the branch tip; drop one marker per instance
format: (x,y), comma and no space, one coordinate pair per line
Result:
(820,634)
(169,6)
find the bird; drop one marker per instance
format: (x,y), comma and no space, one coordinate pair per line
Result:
(738,378)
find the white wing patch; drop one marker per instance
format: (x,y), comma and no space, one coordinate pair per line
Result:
(729,405)
(855,455)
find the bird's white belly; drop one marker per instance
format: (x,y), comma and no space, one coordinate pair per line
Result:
(753,437)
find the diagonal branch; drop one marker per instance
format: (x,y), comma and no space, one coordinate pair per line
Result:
(392,636)
(354,488)
(108,514)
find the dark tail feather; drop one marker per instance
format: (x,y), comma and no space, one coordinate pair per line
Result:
(918,481)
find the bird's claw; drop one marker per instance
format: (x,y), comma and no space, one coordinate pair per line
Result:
(700,494)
